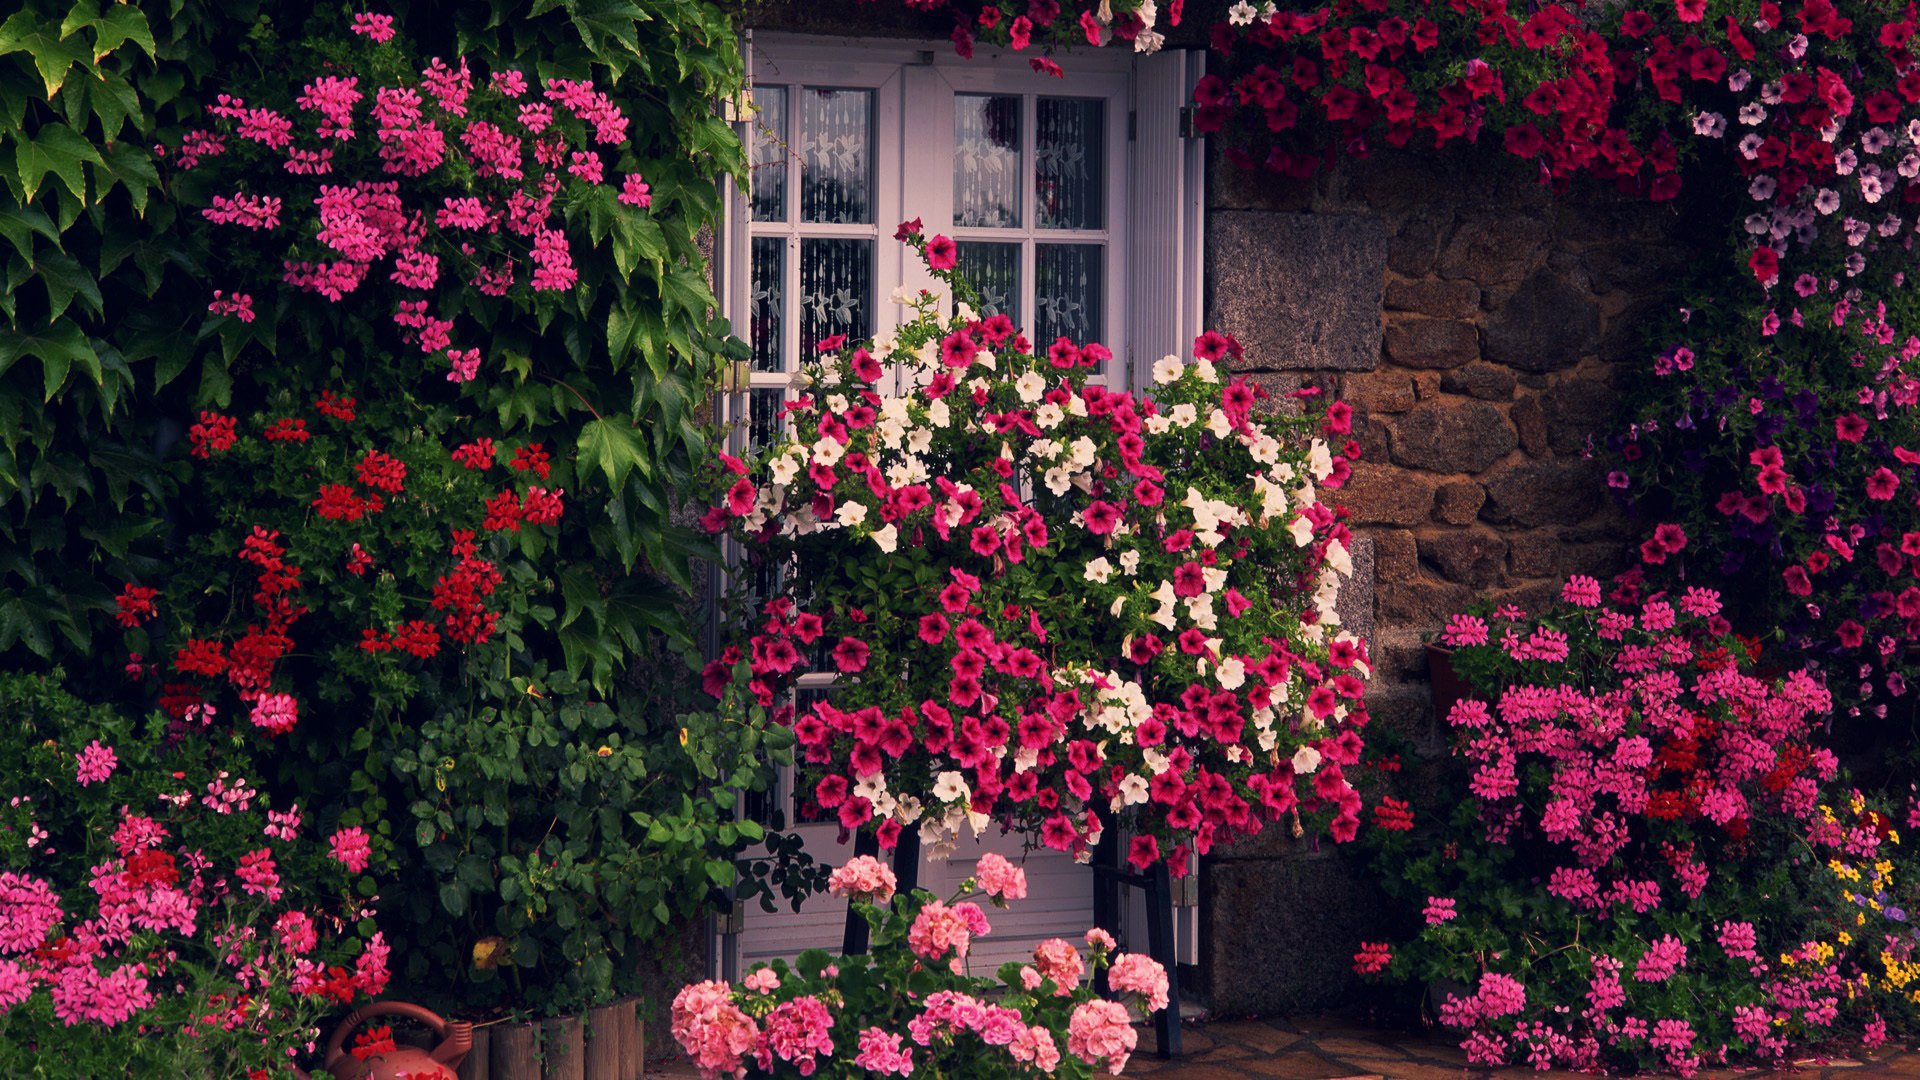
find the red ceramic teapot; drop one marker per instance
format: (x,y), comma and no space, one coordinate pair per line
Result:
(409,1062)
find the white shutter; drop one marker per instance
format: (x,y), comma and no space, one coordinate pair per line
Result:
(1167,205)
(1166,232)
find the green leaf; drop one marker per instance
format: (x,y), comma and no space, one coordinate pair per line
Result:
(19,223)
(24,32)
(60,150)
(119,24)
(58,348)
(64,279)
(616,448)
(453,897)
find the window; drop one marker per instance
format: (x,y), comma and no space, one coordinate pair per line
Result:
(1075,204)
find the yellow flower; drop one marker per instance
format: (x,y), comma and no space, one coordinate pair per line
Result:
(683,736)
(605,751)
(1843,938)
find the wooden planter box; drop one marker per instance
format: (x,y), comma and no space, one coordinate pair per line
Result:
(606,1043)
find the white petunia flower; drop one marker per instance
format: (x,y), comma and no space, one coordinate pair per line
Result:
(1305,760)
(1169,368)
(1099,570)
(888,538)
(1030,387)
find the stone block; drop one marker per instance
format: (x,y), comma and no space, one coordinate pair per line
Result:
(1440,299)
(1411,251)
(1531,425)
(1355,602)
(1560,491)
(1577,410)
(1491,251)
(1458,502)
(1469,556)
(1378,391)
(1395,556)
(1451,437)
(1300,291)
(1431,343)
(1422,604)
(1277,935)
(1488,382)
(1546,325)
(1383,495)
(1553,554)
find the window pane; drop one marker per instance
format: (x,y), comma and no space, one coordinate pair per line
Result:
(1068,293)
(1069,166)
(769,184)
(769,302)
(994,272)
(763,418)
(836,290)
(986,161)
(835,155)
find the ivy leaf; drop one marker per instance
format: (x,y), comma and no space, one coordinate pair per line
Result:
(64,279)
(600,21)
(60,150)
(58,348)
(24,32)
(613,446)
(120,24)
(19,223)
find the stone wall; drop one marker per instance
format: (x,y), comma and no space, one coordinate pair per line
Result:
(1481,328)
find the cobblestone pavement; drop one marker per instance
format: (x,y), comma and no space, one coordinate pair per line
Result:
(1336,1048)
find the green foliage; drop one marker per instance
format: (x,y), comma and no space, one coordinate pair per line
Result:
(109,348)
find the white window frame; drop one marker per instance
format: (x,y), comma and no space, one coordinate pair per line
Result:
(1153,234)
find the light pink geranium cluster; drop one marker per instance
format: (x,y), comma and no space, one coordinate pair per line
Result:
(910,1007)
(1051,604)
(376,163)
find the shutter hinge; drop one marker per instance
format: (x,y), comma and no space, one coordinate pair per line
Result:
(735,377)
(1189,121)
(735,921)
(1186,890)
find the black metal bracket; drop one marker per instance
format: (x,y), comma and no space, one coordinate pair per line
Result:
(1108,878)
(906,871)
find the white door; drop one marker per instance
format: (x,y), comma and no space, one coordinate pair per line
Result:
(1035,177)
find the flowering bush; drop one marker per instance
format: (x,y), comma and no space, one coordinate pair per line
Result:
(1049,603)
(380,603)
(910,1006)
(1782,459)
(1638,873)
(149,885)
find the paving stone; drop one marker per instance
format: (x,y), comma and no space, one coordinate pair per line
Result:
(1300,291)
(1297,1067)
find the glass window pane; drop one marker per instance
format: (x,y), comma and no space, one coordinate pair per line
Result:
(836,139)
(986,161)
(769,182)
(763,417)
(1069,292)
(769,302)
(836,290)
(1069,163)
(994,272)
